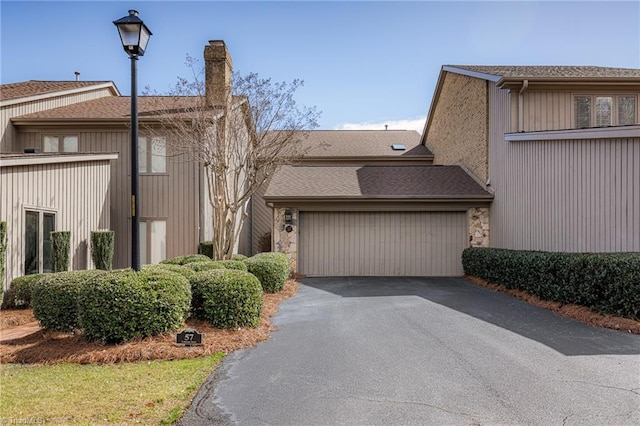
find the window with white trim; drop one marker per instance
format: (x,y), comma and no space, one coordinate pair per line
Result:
(152,155)
(153,241)
(60,143)
(38,253)
(604,110)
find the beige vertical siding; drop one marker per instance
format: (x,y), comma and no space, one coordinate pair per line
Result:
(546,111)
(565,195)
(261,219)
(173,197)
(381,243)
(77,192)
(8,133)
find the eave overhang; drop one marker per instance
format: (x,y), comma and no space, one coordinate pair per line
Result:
(109,85)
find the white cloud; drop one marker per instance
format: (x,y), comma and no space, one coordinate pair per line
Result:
(415,124)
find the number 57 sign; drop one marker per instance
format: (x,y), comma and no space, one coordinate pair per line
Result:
(189,337)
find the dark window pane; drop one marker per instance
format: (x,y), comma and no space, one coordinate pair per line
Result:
(582,108)
(31,246)
(48,226)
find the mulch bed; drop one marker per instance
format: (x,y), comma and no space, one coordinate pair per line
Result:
(52,348)
(577,312)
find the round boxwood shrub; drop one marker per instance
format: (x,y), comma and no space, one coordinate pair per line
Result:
(205,265)
(121,306)
(55,298)
(234,264)
(179,269)
(19,294)
(272,269)
(227,298)
(239,256)
(183,260)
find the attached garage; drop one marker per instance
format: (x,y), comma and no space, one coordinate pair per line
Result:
(381,243)
(374,220)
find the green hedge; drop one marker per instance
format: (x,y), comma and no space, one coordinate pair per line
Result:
(605,282)
(19,294)
(205,265)
(120,306)
(60,244)
(227,298)
(240,257)
(183,260)
(272,269)
(55,298)
(102,249)
(179,269)
(206,248)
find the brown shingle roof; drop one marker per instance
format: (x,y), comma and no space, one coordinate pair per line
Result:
(34,87)
(116,108)
(373,182)
(551,71)
(358,143)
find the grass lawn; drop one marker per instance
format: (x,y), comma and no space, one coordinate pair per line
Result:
(148,392)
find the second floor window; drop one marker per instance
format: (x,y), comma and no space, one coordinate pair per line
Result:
(604,110)
(152,155)
(58,143)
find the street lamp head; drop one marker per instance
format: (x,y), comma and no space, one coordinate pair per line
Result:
(134,34)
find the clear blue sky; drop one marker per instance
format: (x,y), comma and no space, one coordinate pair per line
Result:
(362,62)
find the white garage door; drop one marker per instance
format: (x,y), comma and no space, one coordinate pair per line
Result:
(381,243)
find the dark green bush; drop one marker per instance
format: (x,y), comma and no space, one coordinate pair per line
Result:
(102,249)
(3,251)
(227,298)
(183,260)
(161,267)
(55,298)
(206,248)
(605,282)
(205,265)
(19,294)
(60,244)
(120,306)
(235,264)
(240,257)
(272,269)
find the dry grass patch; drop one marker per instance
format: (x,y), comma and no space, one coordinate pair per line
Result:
(577,312)
(52,348)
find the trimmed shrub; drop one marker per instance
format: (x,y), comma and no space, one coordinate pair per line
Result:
(227,298)
(124,305)
(102,249)
(240,257)
(60,244)
(161,267)
(183,260)
(3,251)
(205,265)
(206,248)
(605,282)
(55,298)
(272,269)
(20,291)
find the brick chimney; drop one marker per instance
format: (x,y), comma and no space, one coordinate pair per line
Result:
(218,71)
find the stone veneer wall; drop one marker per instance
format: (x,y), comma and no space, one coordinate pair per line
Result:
(283,241)
(478,220)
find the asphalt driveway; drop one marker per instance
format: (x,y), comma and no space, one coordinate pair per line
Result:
(423,351)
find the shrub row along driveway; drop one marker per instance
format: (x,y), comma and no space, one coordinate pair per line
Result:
(423,351)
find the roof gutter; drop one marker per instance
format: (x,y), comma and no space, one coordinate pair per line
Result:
(525,84)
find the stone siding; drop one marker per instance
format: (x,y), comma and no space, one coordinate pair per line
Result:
(458,130)
(478,220)
(284,241)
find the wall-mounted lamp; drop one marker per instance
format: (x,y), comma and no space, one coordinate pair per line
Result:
(288,216)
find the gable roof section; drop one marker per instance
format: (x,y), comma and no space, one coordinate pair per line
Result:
(373,182)
(33,90)
(353,144)
(115,109)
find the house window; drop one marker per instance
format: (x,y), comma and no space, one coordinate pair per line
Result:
(605,110)
(53,143)
(152,155)
(37,241)
(153,241)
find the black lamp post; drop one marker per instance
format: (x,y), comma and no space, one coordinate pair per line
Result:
(134,35)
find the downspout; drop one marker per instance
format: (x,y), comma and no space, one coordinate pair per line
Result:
(525,84)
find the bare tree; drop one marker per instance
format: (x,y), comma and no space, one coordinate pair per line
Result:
(239,141)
